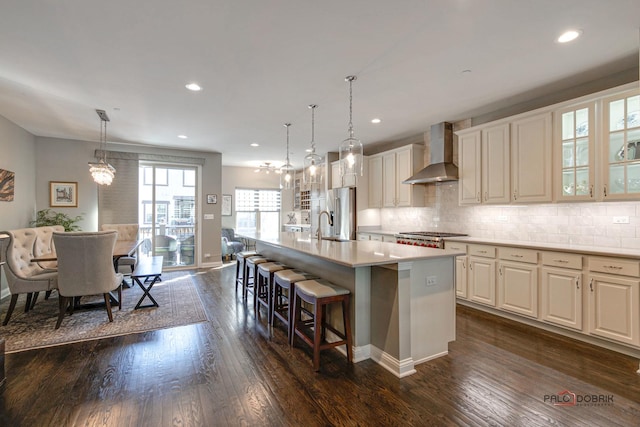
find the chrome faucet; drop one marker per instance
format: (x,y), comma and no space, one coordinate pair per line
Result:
(319,232)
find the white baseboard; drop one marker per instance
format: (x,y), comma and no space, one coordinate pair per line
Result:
(399,368)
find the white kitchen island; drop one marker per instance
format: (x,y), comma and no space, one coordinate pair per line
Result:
(403,297)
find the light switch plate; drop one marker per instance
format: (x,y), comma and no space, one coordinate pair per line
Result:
(621,220)
(209,216)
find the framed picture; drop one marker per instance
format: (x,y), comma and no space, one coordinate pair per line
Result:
(226,204)
(7,184)
(63,194)
(212,199)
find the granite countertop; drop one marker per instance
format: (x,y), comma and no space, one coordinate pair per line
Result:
(558,247)
(352,253)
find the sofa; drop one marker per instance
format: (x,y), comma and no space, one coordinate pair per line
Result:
(23,275)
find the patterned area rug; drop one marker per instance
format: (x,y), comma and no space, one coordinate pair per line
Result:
(176,294)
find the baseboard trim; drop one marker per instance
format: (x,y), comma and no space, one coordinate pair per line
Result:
(399,368)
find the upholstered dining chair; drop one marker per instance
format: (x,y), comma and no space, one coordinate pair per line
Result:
(126,232)
(85,267)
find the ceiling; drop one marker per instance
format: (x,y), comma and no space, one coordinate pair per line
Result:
(261,63)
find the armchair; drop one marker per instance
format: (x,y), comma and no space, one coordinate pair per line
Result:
(85,267)
(230,244)
(187,250)
(166,246)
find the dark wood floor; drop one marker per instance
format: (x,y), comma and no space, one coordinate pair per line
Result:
(228,371)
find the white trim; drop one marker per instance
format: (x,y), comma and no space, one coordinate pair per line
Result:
(433,356)
(399,368)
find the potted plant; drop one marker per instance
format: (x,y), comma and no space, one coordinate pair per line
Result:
(47,217)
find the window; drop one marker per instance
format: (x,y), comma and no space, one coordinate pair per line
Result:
(183,210)
(161,176)
(188,178)
(161,212)
(258,210)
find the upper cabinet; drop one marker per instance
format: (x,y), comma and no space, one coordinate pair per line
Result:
(484,165)
(387,170)
(621,148)
(531,158)
(585,149)
(574,152)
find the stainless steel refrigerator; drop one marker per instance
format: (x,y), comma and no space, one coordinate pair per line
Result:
(341,204)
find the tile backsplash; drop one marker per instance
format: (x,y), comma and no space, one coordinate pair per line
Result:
(588,223)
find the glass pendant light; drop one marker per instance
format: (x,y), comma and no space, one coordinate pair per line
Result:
(101,171)
(351,150)
(312,173)
(286,170)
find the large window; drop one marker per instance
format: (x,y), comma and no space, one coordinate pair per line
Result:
(258,210)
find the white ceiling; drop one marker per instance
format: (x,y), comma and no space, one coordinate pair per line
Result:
(262,62)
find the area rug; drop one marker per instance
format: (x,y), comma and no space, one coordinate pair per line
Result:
(177,296)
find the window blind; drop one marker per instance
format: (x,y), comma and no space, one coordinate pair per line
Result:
(250,200)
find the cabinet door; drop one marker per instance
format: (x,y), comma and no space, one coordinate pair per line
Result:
(482,280)
(495,164)
(375,182)
(518,288)
(561,297)
(574,148)
(404,170)
(389,180)
(531,159)
(336,179)
(363,236)
(622,146)
(614,305)
(461,277)
(469,168)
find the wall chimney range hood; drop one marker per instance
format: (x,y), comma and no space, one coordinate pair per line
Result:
(441,167)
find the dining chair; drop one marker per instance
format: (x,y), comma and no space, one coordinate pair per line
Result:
(85,267)
(126,232)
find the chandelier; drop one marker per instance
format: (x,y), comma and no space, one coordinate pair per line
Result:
(312,173)
(101,171)
(351,150)
(267,167)
(286,170)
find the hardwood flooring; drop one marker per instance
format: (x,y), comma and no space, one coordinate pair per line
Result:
(230,371)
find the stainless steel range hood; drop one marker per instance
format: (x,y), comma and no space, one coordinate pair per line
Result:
(441,167)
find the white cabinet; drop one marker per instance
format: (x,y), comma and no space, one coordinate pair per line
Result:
(375,181)
(396,166)
(461,268)
(469,167)
(621,148)
(614,299)
(574,152)
(482,274)
(531,167)
(336,179)
(518,281)
(561,289)
(363,236)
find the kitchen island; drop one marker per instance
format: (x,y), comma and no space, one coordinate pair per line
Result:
(402,297)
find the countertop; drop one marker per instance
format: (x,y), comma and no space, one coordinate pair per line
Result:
(353,253)
(581,249)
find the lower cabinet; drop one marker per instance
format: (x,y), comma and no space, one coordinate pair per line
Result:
(561,297)
(481,277)
(461,276)
(518,288)
(614,305)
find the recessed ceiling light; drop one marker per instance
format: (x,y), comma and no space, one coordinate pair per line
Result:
(182,136)
(375,120)
(568,36)
(308,150)
(255,144)
(193,86)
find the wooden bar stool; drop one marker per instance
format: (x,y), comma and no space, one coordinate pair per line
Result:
(282,304)
(240,257)
(320,293)
(264,289)
(251,273)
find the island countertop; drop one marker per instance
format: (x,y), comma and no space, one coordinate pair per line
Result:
(352,253)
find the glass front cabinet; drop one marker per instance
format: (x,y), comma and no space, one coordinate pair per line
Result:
(621,136)
(575,136)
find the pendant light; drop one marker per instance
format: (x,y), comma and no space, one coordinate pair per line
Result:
(286,170)
(101,171)
(351,150)
(312,173)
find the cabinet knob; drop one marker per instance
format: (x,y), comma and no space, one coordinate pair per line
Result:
(486,196)
(515,194)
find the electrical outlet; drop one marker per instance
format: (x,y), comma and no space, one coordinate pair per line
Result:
(207,255)
(621,220)
(502,218)
(431,280)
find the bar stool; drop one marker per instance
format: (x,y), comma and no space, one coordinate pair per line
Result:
(264,289)
(240,257)
(251,273)
(320,293)
(281,304)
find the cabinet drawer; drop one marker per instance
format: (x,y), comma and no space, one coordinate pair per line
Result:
(376,237)
(456,246)
(482,250)
(559,259)
(618,266)
(519,254)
